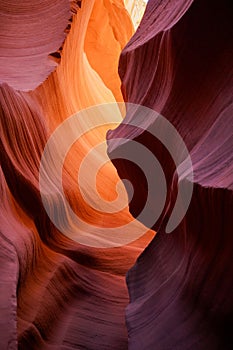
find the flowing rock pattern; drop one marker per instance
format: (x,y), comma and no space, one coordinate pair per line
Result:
(179,63)
(30,31)
(56,293)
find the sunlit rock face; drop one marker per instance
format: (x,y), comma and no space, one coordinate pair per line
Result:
(59,58)
(179,64)
(136,9)
(55,292)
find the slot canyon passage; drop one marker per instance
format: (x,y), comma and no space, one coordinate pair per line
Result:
(100,99)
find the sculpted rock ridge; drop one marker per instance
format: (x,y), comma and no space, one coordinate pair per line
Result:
(64,59)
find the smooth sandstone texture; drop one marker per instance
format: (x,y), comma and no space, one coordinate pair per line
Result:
(30,31)
(179,63)
(56,293)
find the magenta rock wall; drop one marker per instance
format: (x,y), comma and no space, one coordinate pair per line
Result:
(161,291)
(179,63)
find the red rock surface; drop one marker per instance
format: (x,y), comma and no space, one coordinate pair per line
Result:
(58,294)
(30,31)
(179,63)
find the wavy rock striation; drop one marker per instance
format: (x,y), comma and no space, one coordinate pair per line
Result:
(30,31)
(56,293)
(179,63)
